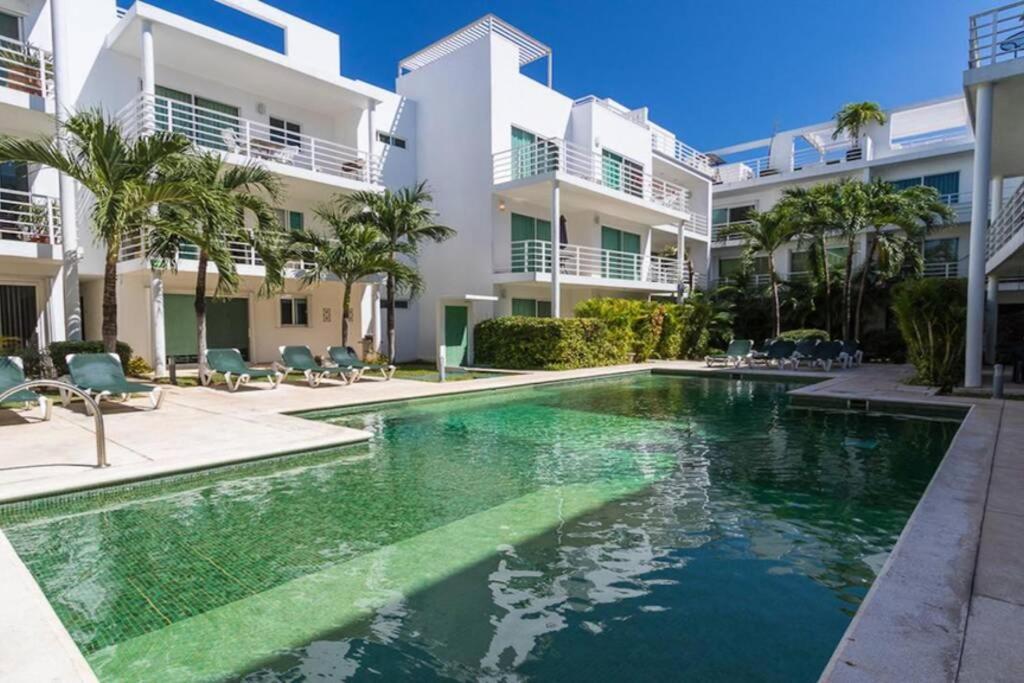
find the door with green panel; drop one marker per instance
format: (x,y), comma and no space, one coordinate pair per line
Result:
(456,336)
(227,325)
(611,169)
(531,244)
(621,258)
(524,154)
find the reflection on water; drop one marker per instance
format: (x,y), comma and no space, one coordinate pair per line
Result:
(640,528)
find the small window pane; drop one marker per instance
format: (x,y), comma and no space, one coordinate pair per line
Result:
(296,220)
(301,312)
(10,27)
(740,213)
(286,312)
(544,309)
(398,142)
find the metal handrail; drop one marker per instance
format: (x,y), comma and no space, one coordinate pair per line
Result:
(90,404)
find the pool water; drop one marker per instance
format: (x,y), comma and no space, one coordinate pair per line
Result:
(642,527)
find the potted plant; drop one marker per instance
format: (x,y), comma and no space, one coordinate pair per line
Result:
(19,68)
(852,119)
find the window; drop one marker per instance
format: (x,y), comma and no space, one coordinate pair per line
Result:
(946,184)
(10,26)
(620,258)
(801,261)
(392,140)
(285,132)
(531,238)
(399,303)
(729,268)
(293,221)
(294,311)
(620,173)
(531,308)
(942,250)
(723,218)
(205,122)
(18,313)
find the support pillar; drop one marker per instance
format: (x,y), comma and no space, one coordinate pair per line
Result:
(149,126)
(375,318)
(681,292)
(66,288)
(371,140)
(979,235)
(556,250)
(991,318)
(156,302)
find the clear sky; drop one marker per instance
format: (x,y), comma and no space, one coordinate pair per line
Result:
(715,72)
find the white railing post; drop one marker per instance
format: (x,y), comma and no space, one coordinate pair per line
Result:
(41,56)
(248,138)
(312,154)
(51,234)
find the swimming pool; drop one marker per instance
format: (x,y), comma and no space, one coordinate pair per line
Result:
(641,527)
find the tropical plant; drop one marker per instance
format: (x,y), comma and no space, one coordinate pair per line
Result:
(812,233)
(405,220)
(704,322)
(520,342)
(765,233)
(352,250)
(209,228)
(854,117)
(122,176)
(932,317)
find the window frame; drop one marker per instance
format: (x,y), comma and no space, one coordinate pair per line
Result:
(391,140)
(19,21)
(283,134)
(291,301)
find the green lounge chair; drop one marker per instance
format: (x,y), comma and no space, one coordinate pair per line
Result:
(101,376)
(345,357)
(300,358)
(778,353)
(852,354)
(826,353)
(12,373)
(804,352)
(737,353)
(228,362)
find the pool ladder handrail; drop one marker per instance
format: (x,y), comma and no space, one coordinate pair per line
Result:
(91,406)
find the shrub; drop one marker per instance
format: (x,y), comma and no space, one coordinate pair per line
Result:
(809,333)
(138,367)
(36,362)
(522,343)
(640,323)
(671,334)
(932,317)
(60,350)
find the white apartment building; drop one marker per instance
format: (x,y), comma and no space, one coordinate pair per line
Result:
(529,177)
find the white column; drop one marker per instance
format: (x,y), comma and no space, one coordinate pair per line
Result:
(66,289)
(371,140)
(995,204)
(991,318)
(156,294)
(55,308)
(149,126)
(375,317)
(148,77)
(681,262)
(556,249)
(979,230)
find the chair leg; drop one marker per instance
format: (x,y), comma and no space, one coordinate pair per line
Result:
(46,407)
(231,387)
(390,372)
(156,398)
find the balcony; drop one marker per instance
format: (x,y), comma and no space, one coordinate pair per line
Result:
(575,261)
(941,269)
(1006,234)
(25,68)
(248,139)
(724,234)
(136,249)
(27,217)
(996,36)
(548,157)
(675,148)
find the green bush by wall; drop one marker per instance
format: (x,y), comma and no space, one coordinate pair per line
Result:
(60,350)
(932,317)
(640,323)
(809,333)
(522,343)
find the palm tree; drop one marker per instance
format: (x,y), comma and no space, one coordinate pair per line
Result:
(766,232)
(854,117)
(210,227)
(353,250)
(914,210)
(405,220)
(813,231)
(122,176)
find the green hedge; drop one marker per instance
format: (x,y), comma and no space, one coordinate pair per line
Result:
(641,324)
(809,333)
(59,351)
(523,343)
(932,317)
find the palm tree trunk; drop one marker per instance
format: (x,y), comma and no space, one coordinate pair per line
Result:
(200,308)
(346,311)
(775,303)
(828,285)
(110,300)
(847,293)
(863,286)
(392,351)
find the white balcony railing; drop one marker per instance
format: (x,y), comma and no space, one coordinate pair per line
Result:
(251,139)
(25,68)
(136,247)
(680,151)
(697,224)
(996,36)
(557,155)
(728,232)
(739,171)
(534,256)
(1007,224)
(831,154)
(941,269)
(29,217)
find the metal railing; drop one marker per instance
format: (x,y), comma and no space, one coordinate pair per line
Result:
(1007,224)
(697,224)
(941,269)
(740,171)
(680,151)
(558,155)
(534,256)
(135,247)
(945,136)
(28,217)
(831,154)
(226,132)
(728,232)
(26,68)
(996,36)
(91,407)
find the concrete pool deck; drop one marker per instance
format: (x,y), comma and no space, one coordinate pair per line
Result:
(948,605)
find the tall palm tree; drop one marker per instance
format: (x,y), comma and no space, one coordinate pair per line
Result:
(210,227)
(352,250)
(813,232)
(854,117)
(122,176)
(766,232)
(405,220)
(915,211)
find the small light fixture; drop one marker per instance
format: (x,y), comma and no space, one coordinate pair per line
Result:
(261,108)
(501,205)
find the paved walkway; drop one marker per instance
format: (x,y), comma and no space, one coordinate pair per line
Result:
(948,605)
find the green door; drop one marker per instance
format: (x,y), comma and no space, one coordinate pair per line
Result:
(524,154)
(528,255)
(456,336)
(619,260)
(611,169)
(227,325)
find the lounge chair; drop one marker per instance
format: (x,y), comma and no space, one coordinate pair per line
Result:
(779,353)
(12,373)
(101,376)
(345,357)
(851,354)
(826,353)
(300,358)
(738,352)
(760,353)
(804,351)
(228,362)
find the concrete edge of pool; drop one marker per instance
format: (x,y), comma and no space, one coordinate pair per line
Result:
(912,625)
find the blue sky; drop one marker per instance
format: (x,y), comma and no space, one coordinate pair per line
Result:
(716,73)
